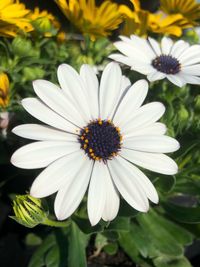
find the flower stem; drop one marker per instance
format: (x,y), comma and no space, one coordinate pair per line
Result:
(55,223)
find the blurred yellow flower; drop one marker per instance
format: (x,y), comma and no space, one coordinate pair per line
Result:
(61,37)
(4,90)
(188,9)
(13,18)
(91,19)
(170,25)
(135,21)
(141,22)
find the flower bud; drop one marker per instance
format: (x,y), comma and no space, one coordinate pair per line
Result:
(4,90)
(183,114)
(29,211)
(32,73)
(42,25)
(21,46)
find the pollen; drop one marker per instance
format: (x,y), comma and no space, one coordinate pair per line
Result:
(100,122)
(101,140)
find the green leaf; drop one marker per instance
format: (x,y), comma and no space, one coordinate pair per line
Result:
(179,233)
(119,224)
(38,258)
(165,183)
(126,211)
(52,257)
(164,261)
(189,187)
(52,252)
(127,243)
(183,214)
(86,227)
(33,240)
(76,249)
(143,241)
(161,238)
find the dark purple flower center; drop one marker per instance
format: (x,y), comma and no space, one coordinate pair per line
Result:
(166,64)
(100,140)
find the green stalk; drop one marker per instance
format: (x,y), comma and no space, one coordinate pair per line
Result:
(55,223)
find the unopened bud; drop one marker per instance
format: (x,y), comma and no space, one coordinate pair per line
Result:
(21,46)
(183,113)
(29,211)
(32,73)
(4,90)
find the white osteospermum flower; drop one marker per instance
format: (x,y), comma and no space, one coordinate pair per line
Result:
(95,135)
(178,62)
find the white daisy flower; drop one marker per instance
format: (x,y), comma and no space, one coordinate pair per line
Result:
(94,137)
(178,62)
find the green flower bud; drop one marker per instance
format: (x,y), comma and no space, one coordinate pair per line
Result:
(42,25)
(21,47)
(183,114)
(29,211)
(30,74)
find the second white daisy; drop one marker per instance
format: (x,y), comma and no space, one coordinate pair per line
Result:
(178,62)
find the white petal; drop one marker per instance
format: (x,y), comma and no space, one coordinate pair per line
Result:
(155,46)
(132,100)
(190,78)
(155,76)
(190,56)
(110,88)
(54,97)
(53,178)
(141,179)
(156,128)
(130,50)
(143,45)
(152,161)
(43,113)
(176,79)
(125,83)
(43,133)
(144,68)
(41,154)
(112,200)
(127,185)
(178,48)
(91,83)
(166,45)
(140,44)
(143,117)
(153,143)
(69,197)
(74,88)
(122,59)
(192,70)
(97,192)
